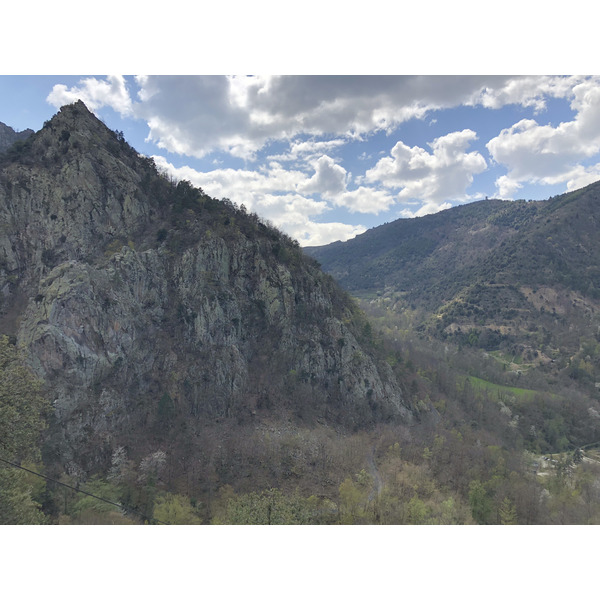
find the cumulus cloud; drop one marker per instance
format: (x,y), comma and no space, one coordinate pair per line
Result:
(358,106)
(525,91)
(292,212)
(433,177)
(241,185)
(307,149)
(582,176)
(95,93)
(196,115)
(239,115)
(365,200)
(546,154)
(428,208)
(507,187)
(319,234)
(317,115)
(329,179)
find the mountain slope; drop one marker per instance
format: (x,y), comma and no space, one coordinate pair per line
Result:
(521,278)
(427,255)
(151,310)
(8,136)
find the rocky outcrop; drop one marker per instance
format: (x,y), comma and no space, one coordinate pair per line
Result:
(8,136)
(148,307)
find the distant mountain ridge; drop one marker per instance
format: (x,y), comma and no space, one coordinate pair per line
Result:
(408,253)
(523,277)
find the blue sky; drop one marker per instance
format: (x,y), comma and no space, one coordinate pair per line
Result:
(326,157)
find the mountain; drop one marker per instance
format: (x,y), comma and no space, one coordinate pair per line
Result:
(8,136)
(154,313)
(520,279)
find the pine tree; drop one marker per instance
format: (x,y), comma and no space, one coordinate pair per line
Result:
(508,513)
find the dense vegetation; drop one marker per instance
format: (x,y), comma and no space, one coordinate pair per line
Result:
(23,409)
(475,456)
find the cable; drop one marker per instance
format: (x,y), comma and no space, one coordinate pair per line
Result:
(119,506)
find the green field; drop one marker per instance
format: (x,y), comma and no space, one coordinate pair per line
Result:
(502,391)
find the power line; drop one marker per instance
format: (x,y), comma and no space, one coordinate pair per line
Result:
(119,506)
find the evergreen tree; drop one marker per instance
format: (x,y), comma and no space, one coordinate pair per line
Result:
(22,419)
(508,513)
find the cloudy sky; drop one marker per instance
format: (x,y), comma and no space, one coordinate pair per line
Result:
(326,157)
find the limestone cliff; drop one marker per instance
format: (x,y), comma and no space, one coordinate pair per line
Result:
(148,307)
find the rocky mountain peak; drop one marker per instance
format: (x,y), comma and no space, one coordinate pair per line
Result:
(76,118)
(151,309)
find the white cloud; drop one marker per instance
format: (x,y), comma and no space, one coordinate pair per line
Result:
(550,155)
(525,91)
(428,208)
(95,93)
(241,185)
(364,200)
(329,179)
(433,177)
(292,212)
(196,115)
(319,234)
(507,187)
(581,176)
(307,149)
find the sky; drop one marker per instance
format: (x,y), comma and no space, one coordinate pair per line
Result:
(323,152)
(326,157)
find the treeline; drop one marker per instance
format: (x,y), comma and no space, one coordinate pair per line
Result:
(458,478)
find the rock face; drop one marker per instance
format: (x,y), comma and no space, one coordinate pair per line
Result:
(8,136)
(148,306)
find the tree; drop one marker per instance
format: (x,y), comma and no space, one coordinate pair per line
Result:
(480,502)
(22,419)
(175,509)
(165,414)
(354,497)
(449,514)
(507,512)
(351,500)
(89,510)
(269,507)
(417,511)
(23,407)
(17,507)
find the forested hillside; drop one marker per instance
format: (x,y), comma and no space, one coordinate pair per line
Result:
(519,279)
